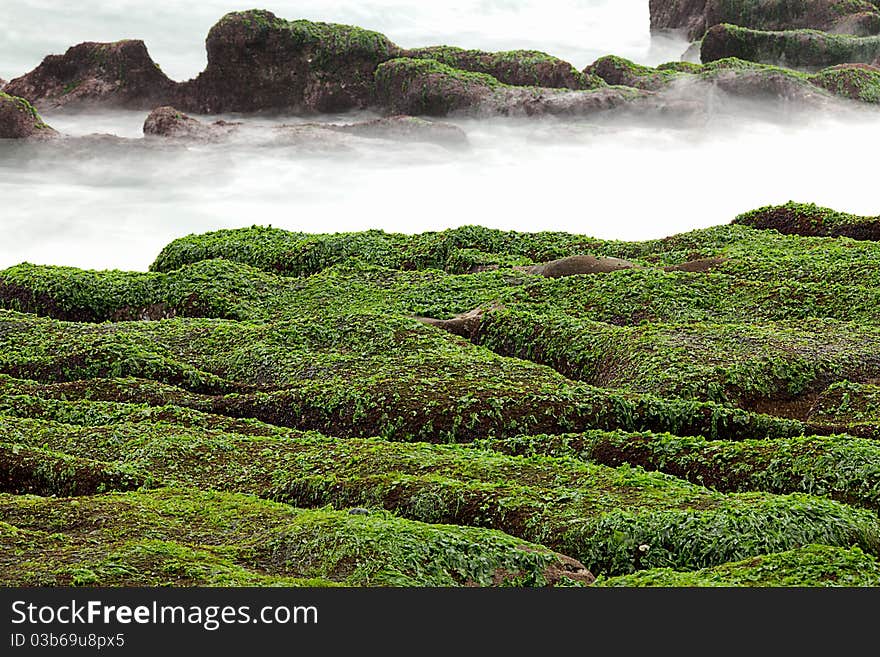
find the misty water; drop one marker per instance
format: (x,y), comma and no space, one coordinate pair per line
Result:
(107,203)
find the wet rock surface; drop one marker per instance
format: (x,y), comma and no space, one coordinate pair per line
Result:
(19,120)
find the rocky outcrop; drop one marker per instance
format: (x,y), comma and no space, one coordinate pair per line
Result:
(856,81)
(811,220)
(515,67)
(429,88)
(111,74)
(257,61)
(168,122)
(694,17)
(796,48)
(19,120)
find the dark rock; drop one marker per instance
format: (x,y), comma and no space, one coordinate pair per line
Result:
(427,87)
(694,17)
(769,84)
(358,512)
(619,71)
(515,67)
(19,120)
(117,74)
(170,123)
(579,264)
(811,220)
(795,48)
(407,128)
(257,61)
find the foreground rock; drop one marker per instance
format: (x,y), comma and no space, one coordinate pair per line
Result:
(120,74)
(257,61)
(694,17)
(794,48)
(579,264)
(516,67)
(19,120)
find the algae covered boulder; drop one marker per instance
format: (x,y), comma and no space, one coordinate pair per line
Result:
(257,61)
(19,120)
(694,17)
(811,220)
(515,67)
(857,81)
(119,74)
(793,48)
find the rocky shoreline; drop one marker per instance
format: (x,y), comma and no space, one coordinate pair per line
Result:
(258,62)
(463,407)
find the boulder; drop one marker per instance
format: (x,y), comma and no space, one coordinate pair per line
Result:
(579,264)
(430,88)
(257,61)
(694,17)
(167,122)
(515,67)
(116,74)
(796,48)
(19,120)
(810,220)
(616,70)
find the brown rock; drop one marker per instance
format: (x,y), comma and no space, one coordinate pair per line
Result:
(257,61)
(168,122)
(579,264)
(19,120)
(116,74)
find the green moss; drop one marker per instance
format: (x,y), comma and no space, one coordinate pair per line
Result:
(809,219)
(852,81)
(794,48)
(809,566)
(841,467)
(594,513)
(184,537)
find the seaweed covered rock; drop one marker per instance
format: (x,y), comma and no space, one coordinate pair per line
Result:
(428,87)
(257,61)
(794,48)
(19,120)
(169,122)
(811,220)
(857,81)
(515,67)
(186,537)
(694,17)
(616,70)
(116,74)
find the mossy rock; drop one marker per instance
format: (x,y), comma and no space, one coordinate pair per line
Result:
(811,220)
(810,49)
(19,120)
(514,67)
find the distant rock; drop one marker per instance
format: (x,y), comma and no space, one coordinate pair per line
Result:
(694,17)
(168,122)
(19,120)
(110,74)
(515,67)
(795,48)
(810,220)
(257,61)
